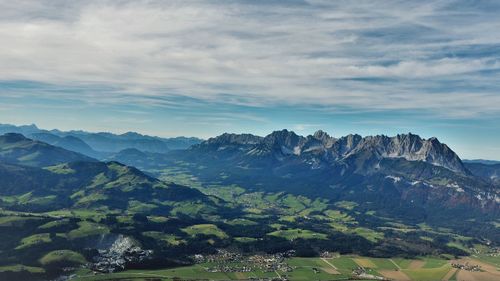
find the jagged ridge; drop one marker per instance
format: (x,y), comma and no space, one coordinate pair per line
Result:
(281,143)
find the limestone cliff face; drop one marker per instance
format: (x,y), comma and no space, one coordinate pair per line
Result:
(371,148)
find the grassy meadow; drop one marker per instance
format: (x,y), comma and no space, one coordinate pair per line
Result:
(338,268)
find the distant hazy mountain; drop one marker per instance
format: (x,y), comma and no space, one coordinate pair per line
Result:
(24,129)
(489,172)
(107,142)
(142,160)
(181,142)
(68,142)
(101,145)
(17,149)
(481,161)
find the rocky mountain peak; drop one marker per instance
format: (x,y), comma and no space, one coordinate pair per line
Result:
(320,147)
(320,134)
(346,144)
(412,148)
(283,142)
(323,136)
(283,137)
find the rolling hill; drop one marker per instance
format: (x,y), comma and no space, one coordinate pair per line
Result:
(91,185)
(17,149)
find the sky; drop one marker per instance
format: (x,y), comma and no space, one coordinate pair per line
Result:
(202,68)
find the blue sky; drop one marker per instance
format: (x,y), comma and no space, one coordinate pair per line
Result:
(201,68)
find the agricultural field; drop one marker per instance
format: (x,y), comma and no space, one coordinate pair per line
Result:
(292,234)
(338,268)
(230,217)
(205,229)
(63,256)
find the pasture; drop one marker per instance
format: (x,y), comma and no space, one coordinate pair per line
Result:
(340,268)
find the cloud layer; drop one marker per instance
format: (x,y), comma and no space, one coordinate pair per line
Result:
(441,57)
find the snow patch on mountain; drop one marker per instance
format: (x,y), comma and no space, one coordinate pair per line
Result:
(394,178)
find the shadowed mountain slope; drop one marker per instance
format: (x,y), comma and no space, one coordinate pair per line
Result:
(17,149)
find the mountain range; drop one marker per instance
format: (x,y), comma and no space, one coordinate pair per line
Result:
(374,195)
(48,177)
(322,148)
(100,145)
(405,170)
(481,161)
(425,172)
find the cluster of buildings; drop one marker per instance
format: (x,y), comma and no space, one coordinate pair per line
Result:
(329,255)
(226,261)
(221,256)
(361,273)
(281,278)
(467,267)
(493,252)
(276,262)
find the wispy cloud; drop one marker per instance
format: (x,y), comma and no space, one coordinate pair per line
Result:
(308,127)
(363,55)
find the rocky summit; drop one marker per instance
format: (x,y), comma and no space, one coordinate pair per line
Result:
(406,146)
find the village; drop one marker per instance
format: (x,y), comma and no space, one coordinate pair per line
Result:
(466,267)
(227,261)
